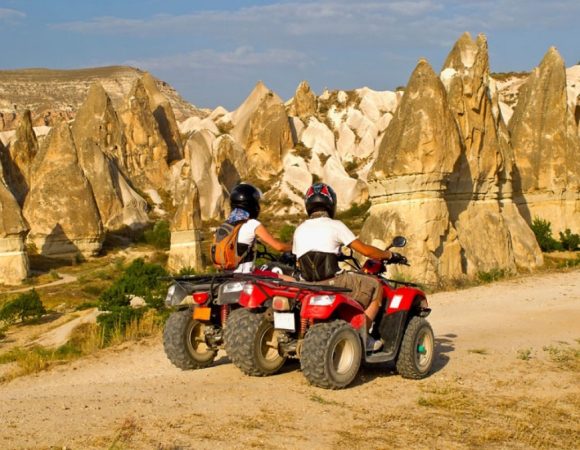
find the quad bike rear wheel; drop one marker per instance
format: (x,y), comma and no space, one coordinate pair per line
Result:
(251,342)
(417,350)
(184,342)
(331,354)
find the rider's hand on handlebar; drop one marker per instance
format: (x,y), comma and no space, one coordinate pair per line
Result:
(397,258)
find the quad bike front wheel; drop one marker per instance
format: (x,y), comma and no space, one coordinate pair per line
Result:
(251,342)
(331,354)
(417,350)
(184,342)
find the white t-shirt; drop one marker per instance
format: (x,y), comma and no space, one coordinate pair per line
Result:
(322,234)
(247,235)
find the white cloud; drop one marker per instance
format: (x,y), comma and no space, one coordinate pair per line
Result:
(7,15)
(401,18)
(244,57)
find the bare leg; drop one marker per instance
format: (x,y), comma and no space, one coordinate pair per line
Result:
(371,312)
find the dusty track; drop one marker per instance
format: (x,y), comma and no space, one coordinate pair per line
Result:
(481,394)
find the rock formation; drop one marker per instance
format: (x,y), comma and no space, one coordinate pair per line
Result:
(304,103)
(473,194)
(547,148)
(185,250)
(13,229)
(57,94)
(198,152)
(163,113)
(60,207)
(261,127)
(145,159)
(22,149)
(97,134)
(420,148)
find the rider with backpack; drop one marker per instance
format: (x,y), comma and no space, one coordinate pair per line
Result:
(317,243)
(233,247)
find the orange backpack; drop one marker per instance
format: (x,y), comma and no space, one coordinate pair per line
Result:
(224,249)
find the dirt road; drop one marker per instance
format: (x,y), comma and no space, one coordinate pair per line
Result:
(506,375)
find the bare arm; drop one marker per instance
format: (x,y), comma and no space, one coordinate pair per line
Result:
(265,236)
(370,251)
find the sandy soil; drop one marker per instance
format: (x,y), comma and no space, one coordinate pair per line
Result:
(496,384)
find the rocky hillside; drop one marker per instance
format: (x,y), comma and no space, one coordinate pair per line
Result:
(59,93)
(460,162)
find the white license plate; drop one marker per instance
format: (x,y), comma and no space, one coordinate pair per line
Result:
(284,321)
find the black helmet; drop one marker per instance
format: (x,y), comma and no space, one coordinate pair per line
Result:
(320,196)
(246,197)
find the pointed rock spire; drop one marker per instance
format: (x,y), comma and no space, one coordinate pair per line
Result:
(417,154)
(261,126)
(60,207)
(422,137)
(163,113)
(185,250)
(304,103)
(97,134)
(147,153)
(21,153)
(13,229)
(546,147)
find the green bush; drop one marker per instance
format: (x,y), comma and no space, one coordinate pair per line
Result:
(493,275)
(287,233)
(139,279)
(25,306)
(543,231)
(159,236)
(569,240)
(355,211)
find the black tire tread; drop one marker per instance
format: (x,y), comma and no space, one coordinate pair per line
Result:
(406,359)
(174,342)
(239,336)
(313,357)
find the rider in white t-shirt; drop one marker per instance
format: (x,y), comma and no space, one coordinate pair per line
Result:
(245,204)
(317,244)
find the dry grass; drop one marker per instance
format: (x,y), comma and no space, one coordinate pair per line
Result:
(85,339)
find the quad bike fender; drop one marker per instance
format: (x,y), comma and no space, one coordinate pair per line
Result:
(342,307)
(394,322)
(403,299)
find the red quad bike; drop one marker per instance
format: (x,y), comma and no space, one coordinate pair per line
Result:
(326,329)
(193,333)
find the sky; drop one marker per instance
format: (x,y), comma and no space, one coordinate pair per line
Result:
(213,52)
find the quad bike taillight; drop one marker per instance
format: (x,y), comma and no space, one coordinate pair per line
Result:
(280,303)
(200,297)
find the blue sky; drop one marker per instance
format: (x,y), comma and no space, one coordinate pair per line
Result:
(213,52)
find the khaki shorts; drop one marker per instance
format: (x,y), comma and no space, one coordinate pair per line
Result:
(364,288)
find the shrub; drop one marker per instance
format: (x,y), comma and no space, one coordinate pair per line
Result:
(543,231)
(287,233)
(569,240)
(493,275)
(140,279)
(355,211)
(25,306)
(304,152)
(159,236)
